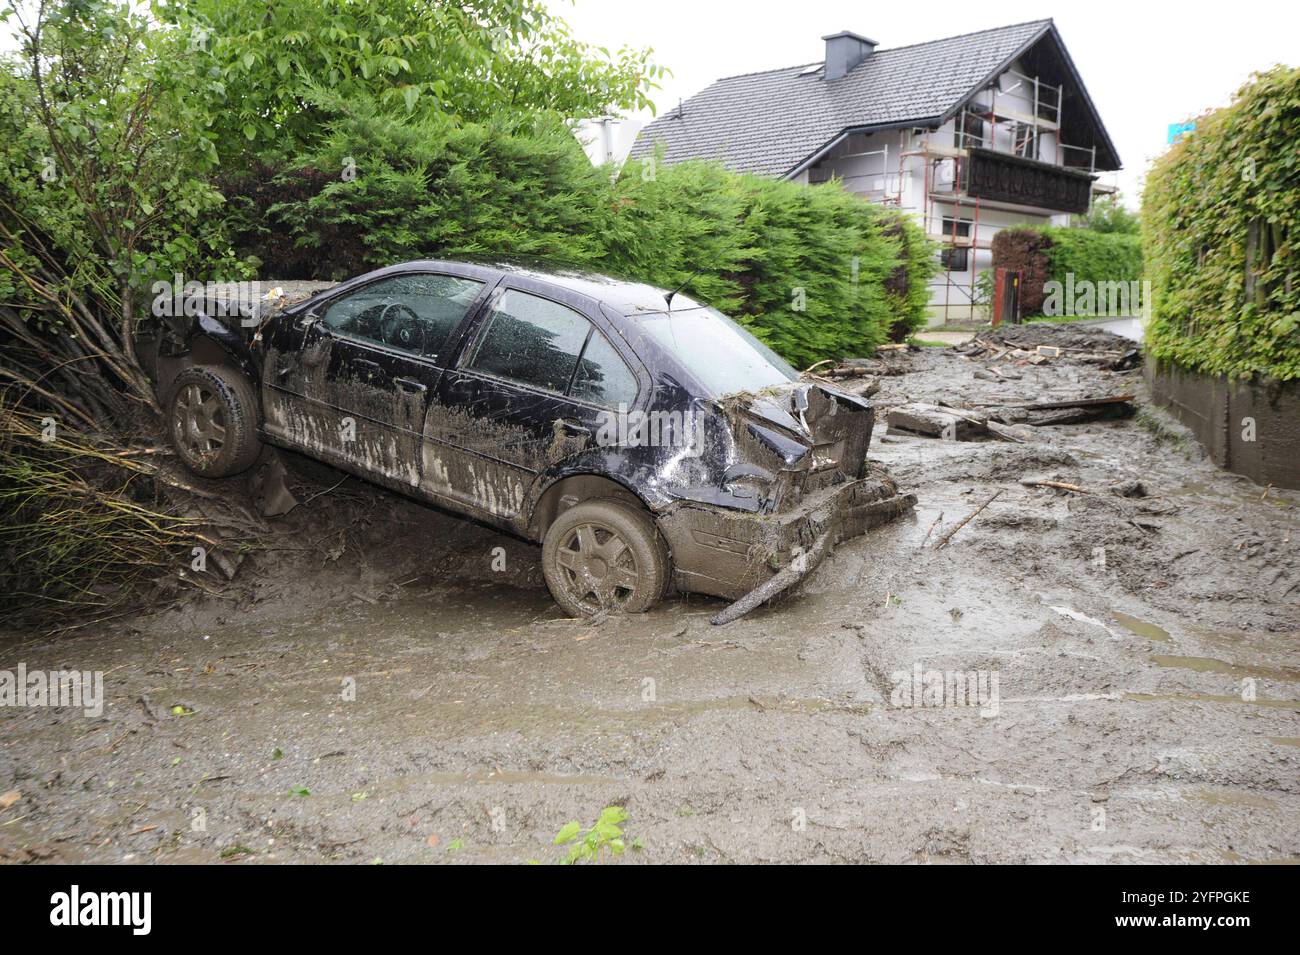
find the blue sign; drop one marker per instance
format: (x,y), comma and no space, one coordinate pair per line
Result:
(1178,130)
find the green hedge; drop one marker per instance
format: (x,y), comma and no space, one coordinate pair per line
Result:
(1093,256)
(1221,230)
(1045,254)
(816,272)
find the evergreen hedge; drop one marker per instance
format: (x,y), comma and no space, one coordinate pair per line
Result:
(1049,254)
(815,272)
(1221,230)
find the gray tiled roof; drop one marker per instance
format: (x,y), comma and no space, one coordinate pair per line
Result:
(771,122)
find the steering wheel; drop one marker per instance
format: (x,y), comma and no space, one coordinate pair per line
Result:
(401,327)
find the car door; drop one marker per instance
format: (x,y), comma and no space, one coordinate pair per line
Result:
(356,389)
(531,388)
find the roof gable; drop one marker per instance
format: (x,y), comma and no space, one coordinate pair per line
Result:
(772,122)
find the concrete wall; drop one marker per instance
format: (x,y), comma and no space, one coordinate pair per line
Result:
(1248,427)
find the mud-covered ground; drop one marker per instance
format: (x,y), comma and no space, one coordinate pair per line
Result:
(1136,658)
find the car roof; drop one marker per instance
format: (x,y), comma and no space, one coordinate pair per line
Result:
(626,296)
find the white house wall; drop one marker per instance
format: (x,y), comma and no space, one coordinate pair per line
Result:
(870,165)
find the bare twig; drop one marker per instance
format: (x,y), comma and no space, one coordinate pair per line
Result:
(939,544)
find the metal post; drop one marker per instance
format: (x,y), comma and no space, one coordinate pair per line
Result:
(1036,127)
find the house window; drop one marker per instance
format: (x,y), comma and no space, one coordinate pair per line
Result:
(959,227)
(955,260)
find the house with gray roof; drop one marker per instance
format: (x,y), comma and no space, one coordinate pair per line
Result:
(969,134)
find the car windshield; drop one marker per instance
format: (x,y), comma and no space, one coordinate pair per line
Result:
(722,355)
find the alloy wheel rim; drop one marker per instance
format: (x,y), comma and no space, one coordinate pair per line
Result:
(598,567)
(199,422)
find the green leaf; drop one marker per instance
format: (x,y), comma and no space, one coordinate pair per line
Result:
(612,815)
(568,833)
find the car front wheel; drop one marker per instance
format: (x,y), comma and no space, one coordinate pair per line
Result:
(212,419)
(605,555)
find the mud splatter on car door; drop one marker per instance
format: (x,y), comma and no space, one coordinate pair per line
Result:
(380,396)
(298,359)
(357,388)
(530,392)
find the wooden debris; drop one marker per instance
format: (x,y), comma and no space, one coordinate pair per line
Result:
(936,422)
(1074,403)
(1059,485)
(942,541)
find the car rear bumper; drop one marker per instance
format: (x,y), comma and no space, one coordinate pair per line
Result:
(729,553)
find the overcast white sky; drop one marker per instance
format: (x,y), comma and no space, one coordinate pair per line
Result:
(1145,64)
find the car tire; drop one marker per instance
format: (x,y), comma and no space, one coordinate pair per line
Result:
(605,555)
(212,421)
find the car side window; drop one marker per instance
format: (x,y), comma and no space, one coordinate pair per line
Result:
(530,340)
(603,377)
(415,311)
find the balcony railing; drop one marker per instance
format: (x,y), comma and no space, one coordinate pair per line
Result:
(1002,177)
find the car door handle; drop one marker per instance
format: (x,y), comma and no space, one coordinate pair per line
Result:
(410,385)
(364,364)
(573,427)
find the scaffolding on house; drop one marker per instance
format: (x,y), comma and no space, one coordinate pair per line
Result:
(1022,132)
(988,124)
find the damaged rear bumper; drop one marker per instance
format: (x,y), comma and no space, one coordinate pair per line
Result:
(730,553)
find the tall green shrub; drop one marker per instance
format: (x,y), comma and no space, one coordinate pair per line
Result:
(1045,254)
(1092,256)
(816,272)
(379,190)
(809,270)
(461,60)
(1221,230)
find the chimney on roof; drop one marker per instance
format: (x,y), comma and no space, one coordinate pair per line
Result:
(844,51)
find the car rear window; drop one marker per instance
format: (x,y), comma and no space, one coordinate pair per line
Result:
(603,377)
(723,356)
(530,340)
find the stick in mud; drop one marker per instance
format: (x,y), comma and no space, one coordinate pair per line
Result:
(1059,485)
(792,574)
(948,536)
(935,524)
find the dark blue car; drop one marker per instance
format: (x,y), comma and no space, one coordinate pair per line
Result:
(644,440)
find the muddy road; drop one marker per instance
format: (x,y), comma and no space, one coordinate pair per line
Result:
(1117,681)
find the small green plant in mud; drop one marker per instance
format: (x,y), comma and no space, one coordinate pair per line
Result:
(590,844)
(299,791)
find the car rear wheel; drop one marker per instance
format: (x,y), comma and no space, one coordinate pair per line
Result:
(212,419)
(605,555)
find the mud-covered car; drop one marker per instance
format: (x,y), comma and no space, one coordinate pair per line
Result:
(644,440)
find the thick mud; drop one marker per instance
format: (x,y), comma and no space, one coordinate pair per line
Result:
(1110,676)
